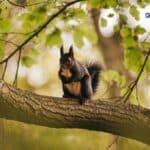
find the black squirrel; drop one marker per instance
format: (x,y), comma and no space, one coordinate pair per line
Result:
(78,81)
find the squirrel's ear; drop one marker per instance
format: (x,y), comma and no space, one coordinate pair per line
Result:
(71,51)
(61,50)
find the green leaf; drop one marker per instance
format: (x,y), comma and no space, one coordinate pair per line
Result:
(83,30)
(145,45)
(116,27)
(125,32)
(33,18)
(133,59)
(27,61)
(76,13)
(5,25)
(78,38)
(54,38)
(104,4)
(34,52)
(123,19)
(142,3)
(96,3)
(110,15)
(88,32)
(125,4)
(1,49)
(130,42)
(148,66)
(111,75)
(134,12)
(112,3)
(103,22)
(139,30)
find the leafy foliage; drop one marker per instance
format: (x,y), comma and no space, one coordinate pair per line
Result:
(5,25)
(139,30)
(1,50)
(27,61)
(104,4)
(110,76)
(133,58)
(54,38)
(134,12)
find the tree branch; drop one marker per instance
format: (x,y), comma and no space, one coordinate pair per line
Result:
(10,42)
(124,119)
(39,29)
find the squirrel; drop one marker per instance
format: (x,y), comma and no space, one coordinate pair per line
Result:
(78,81)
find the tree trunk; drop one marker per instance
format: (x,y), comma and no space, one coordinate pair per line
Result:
(121,119)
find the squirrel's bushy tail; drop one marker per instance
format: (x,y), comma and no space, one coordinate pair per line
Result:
(94,70)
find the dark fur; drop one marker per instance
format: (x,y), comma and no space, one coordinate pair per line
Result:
(78,81)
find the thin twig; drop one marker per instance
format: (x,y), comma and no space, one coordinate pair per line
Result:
(136,93)
(21,33)
(16,74)
(4,71)
(7,41)
(113,142)
(129,86)
(39,29)
(138,77)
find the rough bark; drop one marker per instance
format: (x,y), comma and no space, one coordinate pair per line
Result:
(121,119)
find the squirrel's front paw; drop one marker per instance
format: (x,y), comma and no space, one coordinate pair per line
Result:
(82,101)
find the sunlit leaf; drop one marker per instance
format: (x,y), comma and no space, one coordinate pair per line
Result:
(142,3)
(123,19)
(116,27)
(78,38)
(134,12)
(148,66)
(125,31)
(133,59)
(1,49)
(139,30)
(110,15)
(145,45)
(125,4)
(112,3)
(5,25)
(34,52)
(54,38)
(27,61)
(96,3)
(111,75)
(130,42)
(76,13)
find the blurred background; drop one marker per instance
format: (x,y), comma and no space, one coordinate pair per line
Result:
(39,65)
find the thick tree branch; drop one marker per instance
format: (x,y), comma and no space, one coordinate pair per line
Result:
(124,119)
